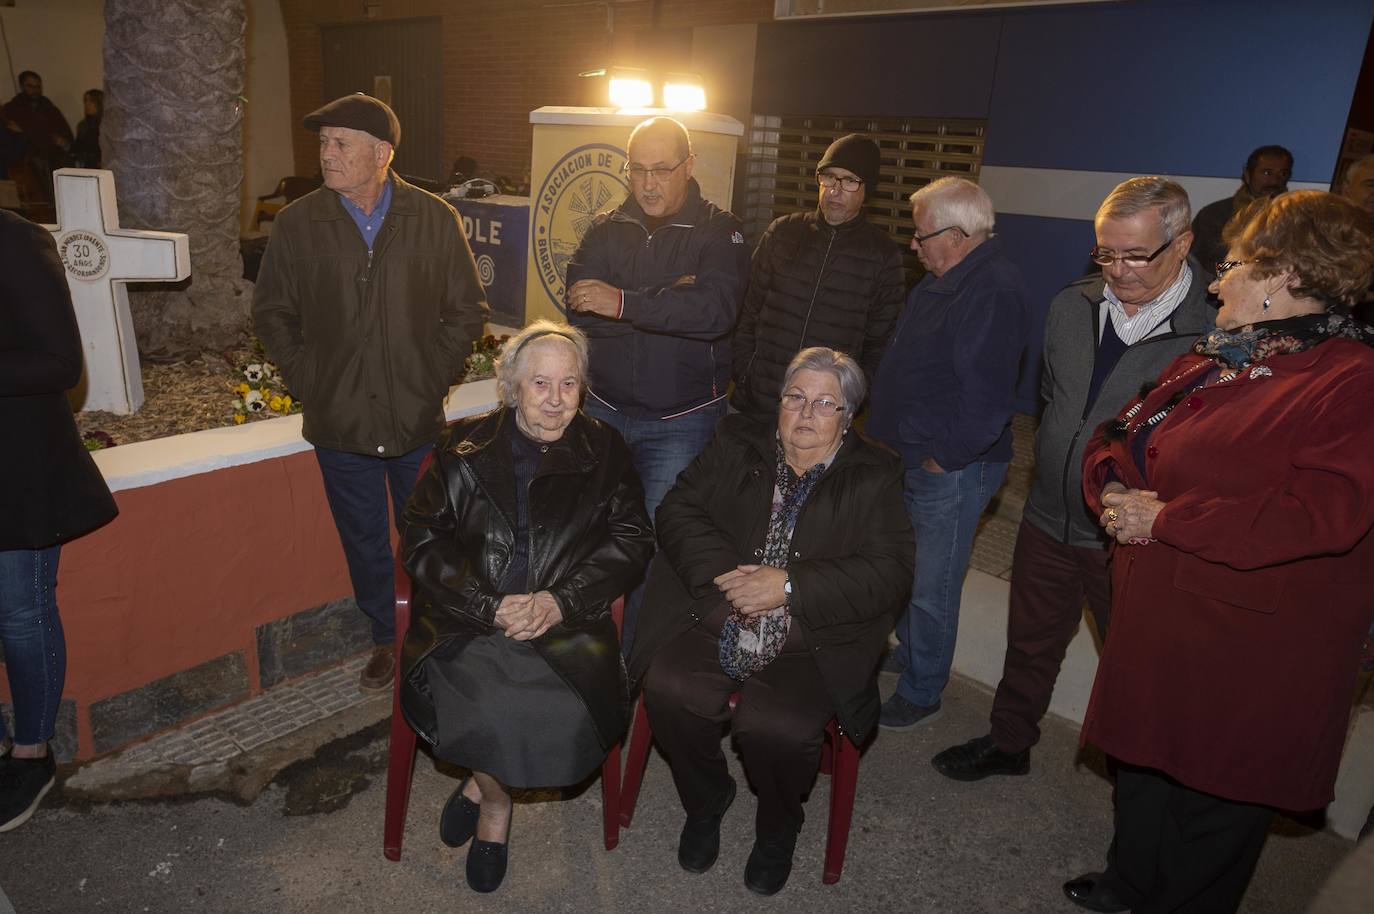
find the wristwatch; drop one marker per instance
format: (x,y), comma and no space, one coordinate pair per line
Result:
(787,589)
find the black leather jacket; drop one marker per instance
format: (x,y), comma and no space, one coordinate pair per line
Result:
(590,540)
(852,556)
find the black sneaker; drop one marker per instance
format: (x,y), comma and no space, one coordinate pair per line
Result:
(23,784)
(978,758)
(899,714)
(699,844)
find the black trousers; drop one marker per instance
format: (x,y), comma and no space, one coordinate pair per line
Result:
(779,727)
(1180,850)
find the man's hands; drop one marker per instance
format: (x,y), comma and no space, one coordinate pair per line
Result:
(594,297)
(524,616)
(753,589)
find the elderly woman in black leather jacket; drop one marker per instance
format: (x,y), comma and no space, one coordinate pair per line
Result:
(528,524)
(785,554)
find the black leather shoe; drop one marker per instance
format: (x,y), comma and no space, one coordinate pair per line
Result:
(458,821)
(978,758)
(487,865)
(1092,892)
(770,863)
(699,845)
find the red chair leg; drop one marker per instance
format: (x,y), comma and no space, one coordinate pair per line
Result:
(636,760)
(844,781)
(610,798)
(400,766)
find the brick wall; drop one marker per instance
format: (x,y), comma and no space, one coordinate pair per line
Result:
(502,59)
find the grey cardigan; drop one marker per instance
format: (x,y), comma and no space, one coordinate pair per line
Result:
(1056,505)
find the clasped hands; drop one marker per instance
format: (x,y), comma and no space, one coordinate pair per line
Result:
(1129,514)
(524,616)
(753,589)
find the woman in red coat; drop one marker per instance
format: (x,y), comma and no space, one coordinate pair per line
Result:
(1240,491)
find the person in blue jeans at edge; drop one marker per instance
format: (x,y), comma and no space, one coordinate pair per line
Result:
(943,397)
(50,492)
(656,284)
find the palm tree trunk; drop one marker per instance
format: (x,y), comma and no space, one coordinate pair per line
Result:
(172,134)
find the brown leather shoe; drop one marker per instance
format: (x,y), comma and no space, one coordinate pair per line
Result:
(380,671)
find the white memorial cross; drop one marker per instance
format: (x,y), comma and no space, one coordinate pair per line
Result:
(100,258)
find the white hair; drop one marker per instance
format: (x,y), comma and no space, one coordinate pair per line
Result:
(1136,195)
(510,365)
(958,202)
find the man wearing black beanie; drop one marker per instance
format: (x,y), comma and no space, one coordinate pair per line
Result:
(827,277)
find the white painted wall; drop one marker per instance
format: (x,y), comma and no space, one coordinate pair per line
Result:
(267,116)
(61,41)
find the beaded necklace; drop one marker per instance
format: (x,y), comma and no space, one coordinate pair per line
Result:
(1122,426)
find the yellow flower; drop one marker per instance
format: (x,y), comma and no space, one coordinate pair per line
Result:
(275,404)
(241,390)
(240,418)
(286,402)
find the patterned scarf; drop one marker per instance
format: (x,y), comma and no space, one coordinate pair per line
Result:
(749,643)
(1239,349)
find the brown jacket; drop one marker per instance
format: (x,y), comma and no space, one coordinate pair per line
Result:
(369,342)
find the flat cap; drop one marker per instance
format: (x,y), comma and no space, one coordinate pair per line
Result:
(360,112)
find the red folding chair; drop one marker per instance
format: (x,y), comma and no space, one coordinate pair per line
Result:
(401,761)
(839,759)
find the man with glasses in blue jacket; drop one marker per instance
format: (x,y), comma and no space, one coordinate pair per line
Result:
(656,285)
(943,398)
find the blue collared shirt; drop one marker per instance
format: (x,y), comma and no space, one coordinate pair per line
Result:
(369,224)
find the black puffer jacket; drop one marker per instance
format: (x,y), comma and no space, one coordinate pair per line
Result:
(589,542)
(813,284)
(851,564)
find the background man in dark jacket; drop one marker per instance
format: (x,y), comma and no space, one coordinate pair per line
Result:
(48,134)
(368,300)
(656,285)
(943,397)
(1266,174)
(824,278)
(1106,334)
(50,492)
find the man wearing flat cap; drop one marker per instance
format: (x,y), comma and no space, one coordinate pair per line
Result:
(827,277)
(368,300)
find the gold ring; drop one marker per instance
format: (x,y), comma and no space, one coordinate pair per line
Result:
(1112,516)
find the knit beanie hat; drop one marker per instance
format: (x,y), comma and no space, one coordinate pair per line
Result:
(857,153)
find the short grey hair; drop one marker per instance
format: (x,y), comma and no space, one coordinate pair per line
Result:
(1355,168)
(853,384)
(957,201)
(1136,195)
(510,364)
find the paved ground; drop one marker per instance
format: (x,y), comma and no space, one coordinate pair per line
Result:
(311,842)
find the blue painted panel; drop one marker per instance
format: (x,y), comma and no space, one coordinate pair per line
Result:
(498,233)
(1176,86)
(927,66)
(1051,254)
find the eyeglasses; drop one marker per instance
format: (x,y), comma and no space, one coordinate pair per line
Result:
(822,407)
(1226,266)
(1102,258)
(922,239)
(640,173)
(848,182)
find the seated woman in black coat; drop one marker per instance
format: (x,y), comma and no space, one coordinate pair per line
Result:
(528,524)
(785,554)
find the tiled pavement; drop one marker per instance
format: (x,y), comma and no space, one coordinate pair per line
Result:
(247,725)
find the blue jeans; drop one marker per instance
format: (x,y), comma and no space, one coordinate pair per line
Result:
(661,449)
(944,509)
(31,632)
(356,487)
